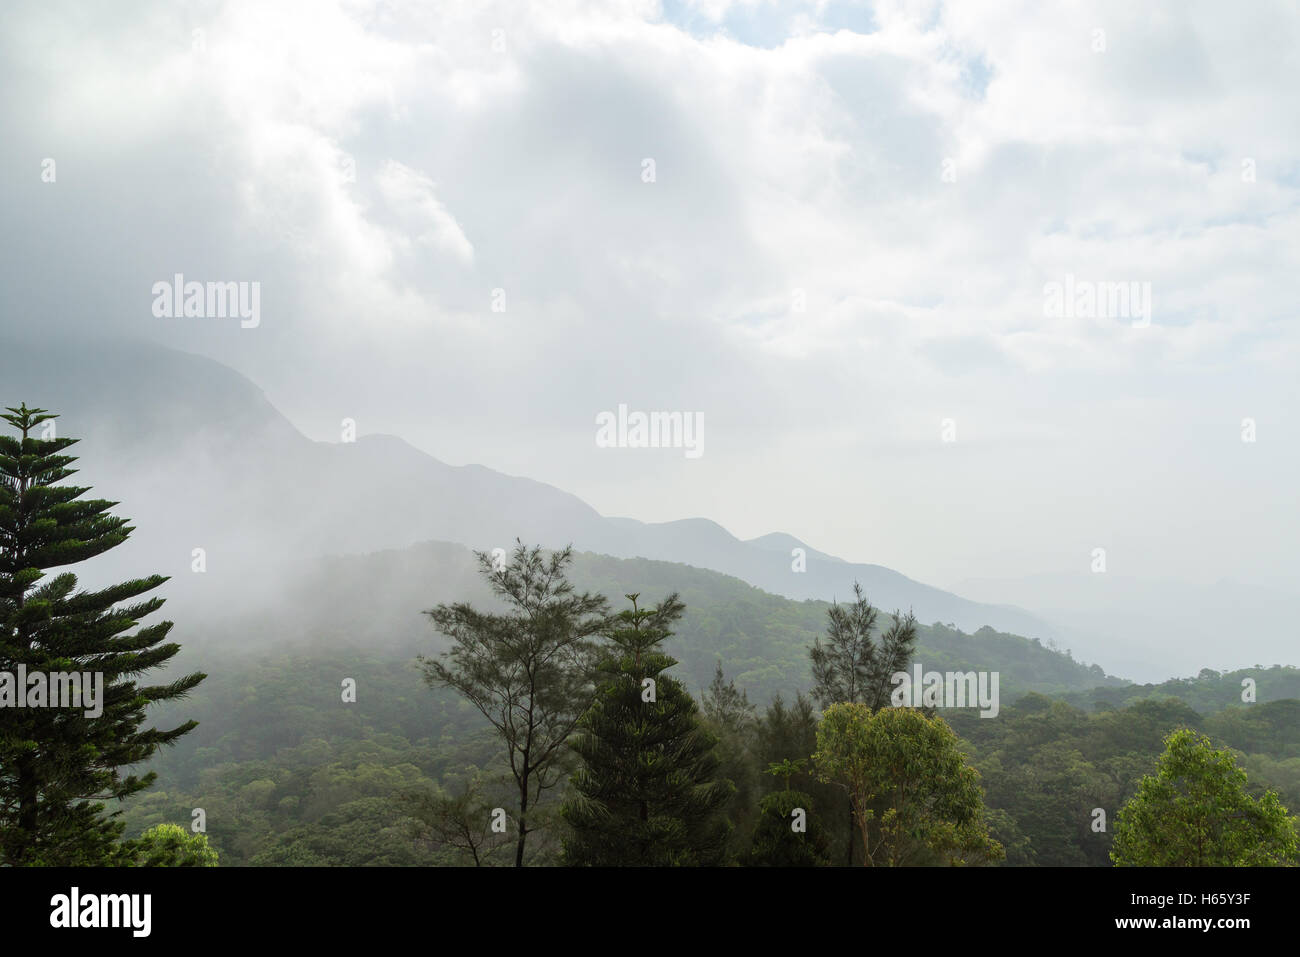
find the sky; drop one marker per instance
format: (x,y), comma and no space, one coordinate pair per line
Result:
(832,231)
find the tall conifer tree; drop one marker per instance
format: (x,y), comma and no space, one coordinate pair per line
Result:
(57,764)
(645,794)
(851,667)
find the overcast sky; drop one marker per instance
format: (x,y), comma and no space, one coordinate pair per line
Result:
(913,175)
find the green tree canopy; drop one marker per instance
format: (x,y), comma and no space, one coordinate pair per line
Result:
(788,833)
(1195,812)
(857,665)
(170,845)
(914,798)
(528,671)
(645,793)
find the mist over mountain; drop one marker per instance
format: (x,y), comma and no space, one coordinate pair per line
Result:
(373,604)
(200,459)
(700,433)
(1122,620)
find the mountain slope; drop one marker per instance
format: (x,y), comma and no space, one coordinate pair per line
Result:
(201,460)
(375,602)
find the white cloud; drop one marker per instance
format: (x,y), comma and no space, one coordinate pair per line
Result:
(500,146)
(410,196)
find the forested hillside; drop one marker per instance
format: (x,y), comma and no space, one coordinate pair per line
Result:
(286,772)
(374,602)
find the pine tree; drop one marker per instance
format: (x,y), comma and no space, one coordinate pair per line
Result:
(726,705)
(727,713)
(787,737)
(528,671)
(645,793)
(852,668)
(58,765)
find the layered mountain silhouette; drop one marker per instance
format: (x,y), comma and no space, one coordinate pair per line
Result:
(200,459)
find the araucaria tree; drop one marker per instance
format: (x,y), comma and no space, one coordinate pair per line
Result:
(914,798)
(64,740)
(788,833)
(529,671)
(1195,812)
(645,794)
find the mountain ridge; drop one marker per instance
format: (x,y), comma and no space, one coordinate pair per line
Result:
(257,493)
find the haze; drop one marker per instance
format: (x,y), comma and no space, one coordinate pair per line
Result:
(837,257)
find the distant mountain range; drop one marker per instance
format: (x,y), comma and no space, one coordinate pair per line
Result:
(1151,628)
(200,459)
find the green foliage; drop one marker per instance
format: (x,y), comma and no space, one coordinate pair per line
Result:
(170,845)
(57,765)
(785,770)
(786,736)
(276,719)
(726,705)
(1208,693)
(854,664)
(527,671)
(290,777)
(465,821)
(914,798)
(776,842)
(728,714)
(645,793)
(1195,812)
(763,638)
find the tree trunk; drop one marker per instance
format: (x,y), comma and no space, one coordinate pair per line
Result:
(853,835)
(523,820)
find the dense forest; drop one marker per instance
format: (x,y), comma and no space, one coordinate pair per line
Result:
(288,776)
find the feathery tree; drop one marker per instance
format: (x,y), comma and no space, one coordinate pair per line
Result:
(852,668)
(59,764)
(787,735)
(529,671)
(729,715)
(645,794)
(1195,812)
(726,704)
